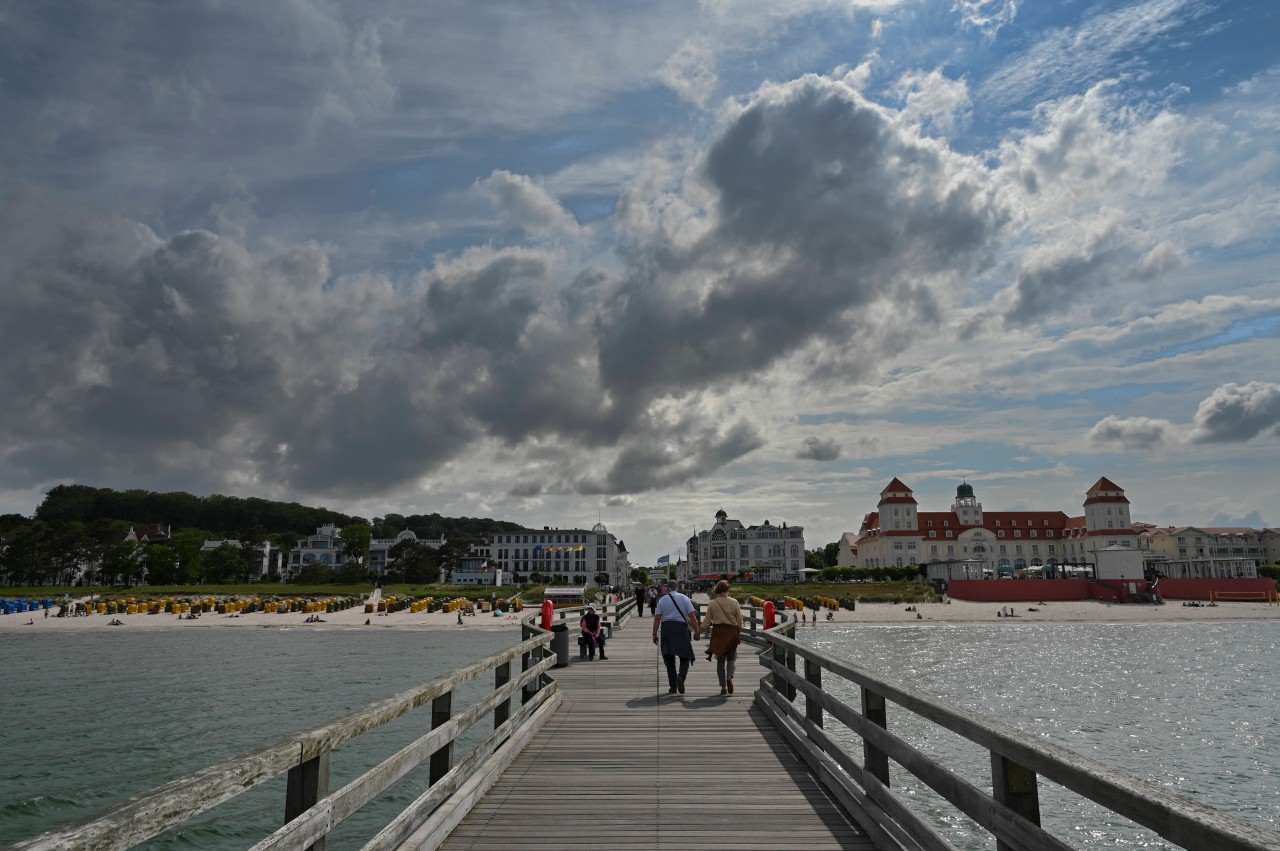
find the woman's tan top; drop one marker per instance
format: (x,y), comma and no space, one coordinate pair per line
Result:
(724,610)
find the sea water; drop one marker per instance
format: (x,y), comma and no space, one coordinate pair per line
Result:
(1190,707)
(93,717)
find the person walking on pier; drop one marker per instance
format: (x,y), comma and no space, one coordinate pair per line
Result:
(675,615)
(639,601)
(724,619)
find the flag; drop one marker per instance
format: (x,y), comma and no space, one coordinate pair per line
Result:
(666,559)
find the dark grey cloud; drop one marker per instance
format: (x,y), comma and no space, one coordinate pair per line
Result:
(816,449)
(1234,413)
(245,363)
(823,205)
(665,457)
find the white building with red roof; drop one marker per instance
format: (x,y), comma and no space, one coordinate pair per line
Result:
(968,541)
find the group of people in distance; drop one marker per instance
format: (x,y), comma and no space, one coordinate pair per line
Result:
(675,620)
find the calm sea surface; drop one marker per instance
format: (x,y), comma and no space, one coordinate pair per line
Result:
(91,718)
(1191,707)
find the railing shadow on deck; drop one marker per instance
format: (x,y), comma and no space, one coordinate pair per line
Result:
(311,811)
(1010,813)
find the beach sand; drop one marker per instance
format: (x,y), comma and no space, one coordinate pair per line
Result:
(957,611)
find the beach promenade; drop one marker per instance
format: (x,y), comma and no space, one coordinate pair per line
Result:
(623,764)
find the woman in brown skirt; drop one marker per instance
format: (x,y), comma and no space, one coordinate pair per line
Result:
(724,620)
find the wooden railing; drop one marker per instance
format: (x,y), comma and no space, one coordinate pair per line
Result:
(1011,813)
(311,811)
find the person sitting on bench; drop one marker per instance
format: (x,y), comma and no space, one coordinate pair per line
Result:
(593,631)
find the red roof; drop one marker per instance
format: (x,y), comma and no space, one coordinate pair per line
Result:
(895,485)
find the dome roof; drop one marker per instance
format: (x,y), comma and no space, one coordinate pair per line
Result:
(599,527)
(965,490)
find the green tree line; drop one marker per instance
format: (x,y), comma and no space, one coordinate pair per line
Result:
(78,526)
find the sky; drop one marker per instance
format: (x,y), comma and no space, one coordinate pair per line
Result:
(562,263)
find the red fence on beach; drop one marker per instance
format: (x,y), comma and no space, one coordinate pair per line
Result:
(1018,590)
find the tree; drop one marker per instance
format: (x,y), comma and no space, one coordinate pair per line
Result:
(161,562)
(814,559)
(225,564)
(355,539)
(831,554)
(122,563)
(451,555)
(414,561)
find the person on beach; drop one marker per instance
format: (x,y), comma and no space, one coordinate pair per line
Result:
(724,619)
(675,614)
(593,630)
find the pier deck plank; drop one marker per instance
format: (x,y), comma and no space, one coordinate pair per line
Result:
(622,764)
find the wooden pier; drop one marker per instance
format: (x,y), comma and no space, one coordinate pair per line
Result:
(623,764)
(575,754)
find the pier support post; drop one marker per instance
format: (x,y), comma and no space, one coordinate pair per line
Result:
(1014,786)
(441,760)
(306,784)
(875,760)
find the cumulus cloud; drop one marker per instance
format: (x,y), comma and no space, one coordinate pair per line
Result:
(1235,413)
(816,449)
(1232,413)
(1133,433)
(823,204)
(526,203)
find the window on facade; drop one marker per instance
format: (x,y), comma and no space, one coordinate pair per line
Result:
(1000,534)
(933,534)
(1049,534)
(933,550)
(949,534)
(897,545)
(930,522)
(997,522)
(1017,533)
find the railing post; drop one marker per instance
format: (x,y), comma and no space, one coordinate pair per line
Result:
(812,707)
(788,689)
(441,760)
(1014,786)
(526,662)
(307,783)
(501,712)
(875,760)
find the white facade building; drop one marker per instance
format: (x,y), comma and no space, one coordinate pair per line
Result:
(769,553)
(970,542)
(570,556)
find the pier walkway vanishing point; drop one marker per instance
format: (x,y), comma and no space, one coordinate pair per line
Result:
(625,765)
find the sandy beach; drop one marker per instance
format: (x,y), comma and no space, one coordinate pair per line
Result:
(957,611)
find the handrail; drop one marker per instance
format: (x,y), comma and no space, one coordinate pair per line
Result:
(311,812)
(1011,813)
